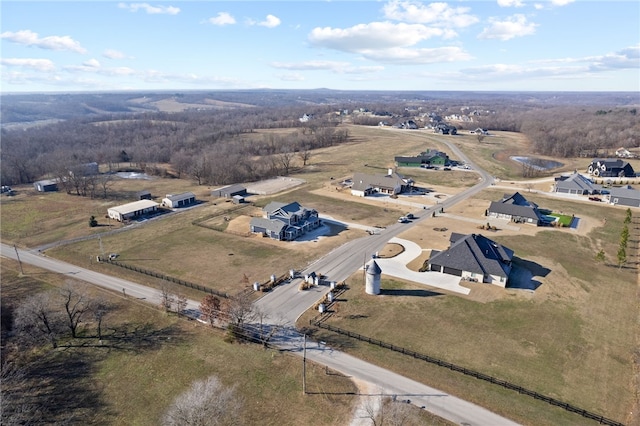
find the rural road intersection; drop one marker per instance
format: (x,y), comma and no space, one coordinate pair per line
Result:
(286,303)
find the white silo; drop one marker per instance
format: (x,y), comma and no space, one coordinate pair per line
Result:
(372,277)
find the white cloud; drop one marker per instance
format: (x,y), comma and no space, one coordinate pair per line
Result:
(113,54)
(151,10)
(627,58)
(510,3)
(561,2)
(270,22)
(91,63)
(222,18)
(376,35)
(437,14)
(514,26)
(43,65)
(418,56)
(30,38)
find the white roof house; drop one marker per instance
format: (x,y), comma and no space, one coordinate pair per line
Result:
(132,210)
(179,200)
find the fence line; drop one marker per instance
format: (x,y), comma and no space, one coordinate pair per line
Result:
(166,278)
(584,413)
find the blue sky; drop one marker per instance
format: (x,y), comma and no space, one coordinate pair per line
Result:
(510,45)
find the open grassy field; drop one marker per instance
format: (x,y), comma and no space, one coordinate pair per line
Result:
(573,338)
(147,358)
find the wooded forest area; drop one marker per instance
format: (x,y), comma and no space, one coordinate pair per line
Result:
(215,144)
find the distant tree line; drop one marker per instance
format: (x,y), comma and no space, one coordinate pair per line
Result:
(220,146)
(214,147)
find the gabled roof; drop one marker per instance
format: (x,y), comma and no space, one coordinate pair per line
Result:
(133,207)
(284,209)
(515,205)
(625,192)
(178,197)
(575,181)
(610,163)
(271,225)
(475,253)
(364,181)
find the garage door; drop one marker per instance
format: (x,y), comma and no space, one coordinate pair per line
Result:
(452,271)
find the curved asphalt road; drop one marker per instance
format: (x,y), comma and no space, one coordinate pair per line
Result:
(286,303)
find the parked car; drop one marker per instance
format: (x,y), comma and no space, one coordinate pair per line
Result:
(403,219)
(410,216)
(595,199)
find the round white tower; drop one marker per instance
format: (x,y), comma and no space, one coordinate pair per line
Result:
(372,277)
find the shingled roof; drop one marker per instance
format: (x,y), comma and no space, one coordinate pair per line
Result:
(475,253)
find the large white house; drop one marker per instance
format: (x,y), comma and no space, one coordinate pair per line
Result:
(179,200)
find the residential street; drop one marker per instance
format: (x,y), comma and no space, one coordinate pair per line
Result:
(286,303)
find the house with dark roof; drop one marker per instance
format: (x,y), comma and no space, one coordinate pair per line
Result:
(426,158)
(610,167)
(229,191)
(285,222)
(575,184)
(624,196)
(47,185)
(474,257)
(517,209)
(392,183)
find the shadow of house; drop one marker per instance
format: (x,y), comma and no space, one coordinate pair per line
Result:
(523,273)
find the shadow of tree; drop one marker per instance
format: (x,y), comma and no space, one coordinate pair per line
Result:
(59,386)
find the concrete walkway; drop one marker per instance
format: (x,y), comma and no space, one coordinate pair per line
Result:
(397,267)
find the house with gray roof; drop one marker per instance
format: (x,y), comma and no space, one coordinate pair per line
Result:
(624,196)
(517,209)
(47,185)
(285,222)
(229,191)
(392,183)
(475,258)
(575,184)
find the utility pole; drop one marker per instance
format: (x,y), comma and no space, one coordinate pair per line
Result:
(304,366)
(19,261)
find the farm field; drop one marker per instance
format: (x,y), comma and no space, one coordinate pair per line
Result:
(577,332)
(581,318)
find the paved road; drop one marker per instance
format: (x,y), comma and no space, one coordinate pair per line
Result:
(286,303)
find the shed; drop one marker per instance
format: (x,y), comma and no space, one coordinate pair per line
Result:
(625,196)
(179,200)
(132,210)
(47,185)
(144,195)
(229,191)
(238,199)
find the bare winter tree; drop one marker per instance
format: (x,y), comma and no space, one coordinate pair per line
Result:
(206,403)
(267,330)
(99,308)
(166,298)
(305,154)
(210,308)
(76,305)
(285,157)
(181,303)
(37,320)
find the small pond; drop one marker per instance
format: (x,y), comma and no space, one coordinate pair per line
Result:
(538,163)
(133,175)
